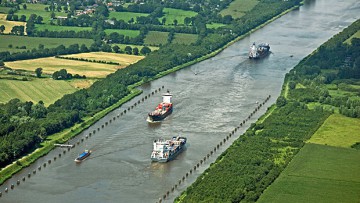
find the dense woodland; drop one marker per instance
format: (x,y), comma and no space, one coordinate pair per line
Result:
(21,131)
(256,159)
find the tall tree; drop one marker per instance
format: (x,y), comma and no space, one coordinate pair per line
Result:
(38,72)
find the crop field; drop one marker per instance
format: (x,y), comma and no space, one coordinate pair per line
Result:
(172,14)
(130,33)
(183,38)
(45,89)
(318,173)
(238,8)
(123,59)
(38,9)
(9,24)
(52,64)
(33,42)
(154,38)
(339,131)
(49,27)
(356,35)
(125,16)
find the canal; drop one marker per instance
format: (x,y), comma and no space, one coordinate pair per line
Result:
(210,99)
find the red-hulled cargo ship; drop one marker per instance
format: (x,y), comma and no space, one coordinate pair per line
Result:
(162,110)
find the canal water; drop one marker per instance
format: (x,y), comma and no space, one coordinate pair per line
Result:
(210,99)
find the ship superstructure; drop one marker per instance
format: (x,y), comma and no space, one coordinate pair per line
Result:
(258,51)
(166,150)
(162,110)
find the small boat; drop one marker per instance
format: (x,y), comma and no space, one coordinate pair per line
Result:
(83,156)
(166,150)
(162,110)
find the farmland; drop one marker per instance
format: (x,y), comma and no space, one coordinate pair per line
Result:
(130,33)
(182,38)
(38,9)
(52,64)
(125,16)
(33,42)
(9,24)
(172,14)
(155,38)
(308,178)
(123,59)
(42,27)
(238,8)
(45,89)
(338,130)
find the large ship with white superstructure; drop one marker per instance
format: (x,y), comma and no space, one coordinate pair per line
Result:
(166,150)
(162,110)
(259,51)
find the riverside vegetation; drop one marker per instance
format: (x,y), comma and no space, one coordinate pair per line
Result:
(325,83)
(24,125)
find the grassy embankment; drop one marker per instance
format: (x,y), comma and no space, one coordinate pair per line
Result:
(67,134)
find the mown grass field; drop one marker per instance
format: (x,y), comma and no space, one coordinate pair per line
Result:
(130,33)
(154,38)
(183,38)
(4,9)
(9,24)
(356,35)
(45,89)
(238,8)
(318,173)
(42,27)
(125,16)
(33,42)
(38,9)
(123,59)
(339,131)
(214,25)
(171,14)
(52,64)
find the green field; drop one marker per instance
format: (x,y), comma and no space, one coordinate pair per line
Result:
(130,33)
(356,35)
(238,8)
(49,27)
(154,38)
(46,89)
(38,9)
(33,42)
(125,16)
(182,38)
(214,25)
(4,9)
(318,173)
(171,14)
(9,24)
(122,46)
(339,131)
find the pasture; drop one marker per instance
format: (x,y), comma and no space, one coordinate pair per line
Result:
(155,38)
(318,173)
(4,9)
(338,130)
(130,33)
(42,27)
(52,64)
(33,42)
(38,9)
(214,25)
(123,59)
(171,14)
(183,38)
(9,24)
(125,16)
(44,89)
(238,8)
